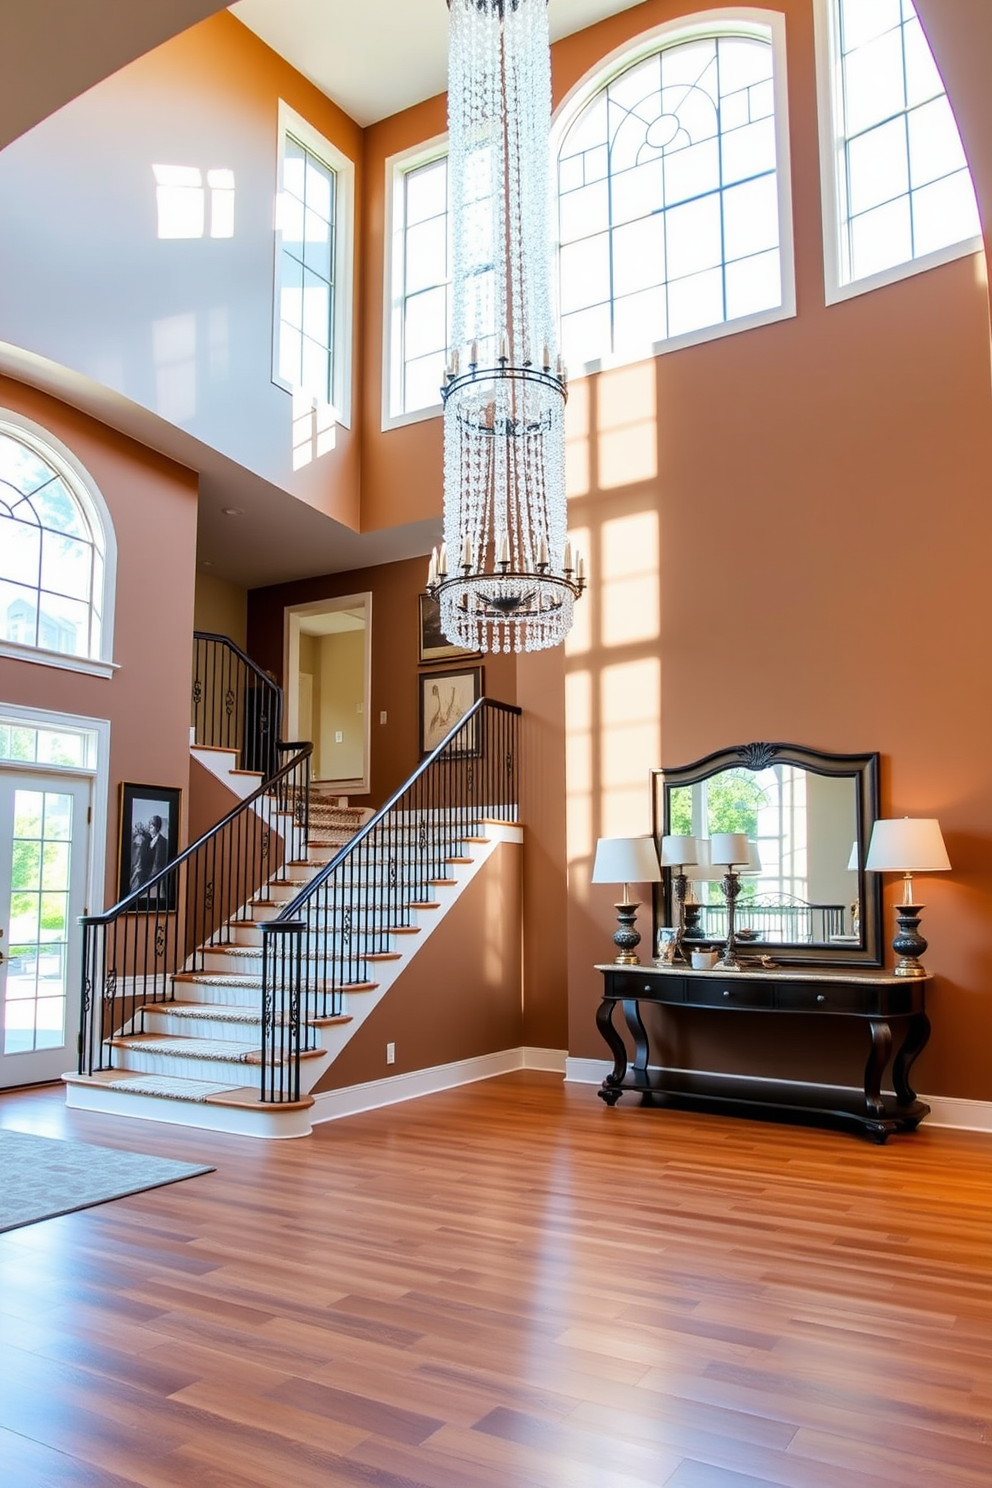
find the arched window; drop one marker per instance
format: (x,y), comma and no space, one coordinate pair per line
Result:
(57,552)
(673,214)
(898,195)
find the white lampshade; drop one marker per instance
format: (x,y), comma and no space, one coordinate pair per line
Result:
(907,844)
(679,852)
(753,865)
(626,860)
(852,862)
(729,848)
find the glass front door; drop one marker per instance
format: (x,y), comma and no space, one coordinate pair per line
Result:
(43,852)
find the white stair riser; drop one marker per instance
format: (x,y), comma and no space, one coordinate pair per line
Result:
(220,1071)
(169,1025)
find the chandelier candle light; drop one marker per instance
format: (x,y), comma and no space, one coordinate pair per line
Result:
(506,577)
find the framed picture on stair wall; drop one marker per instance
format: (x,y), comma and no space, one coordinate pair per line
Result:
(445,698)
(434,644)
(149,819)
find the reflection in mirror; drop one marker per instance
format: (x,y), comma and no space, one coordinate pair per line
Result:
(800,889)
(807,817)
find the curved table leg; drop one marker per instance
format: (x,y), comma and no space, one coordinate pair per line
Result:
(610,1090)
(917,1037)
(881,1048)
(632,1013)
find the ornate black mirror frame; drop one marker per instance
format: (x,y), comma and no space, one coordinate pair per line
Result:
(861,768)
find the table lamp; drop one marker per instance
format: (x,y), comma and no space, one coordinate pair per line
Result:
(730,851)
(677,853)
(908,845)
(626,860)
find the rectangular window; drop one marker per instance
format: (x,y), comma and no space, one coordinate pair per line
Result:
(313,292)
(418,287)
(897,191)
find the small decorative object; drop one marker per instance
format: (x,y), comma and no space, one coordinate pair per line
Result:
(149,840)
(626,860)
(703,960)
(908,845)
(730,851)
(433,644)
(445,698)
(666,945)
(505,576)
(676,853)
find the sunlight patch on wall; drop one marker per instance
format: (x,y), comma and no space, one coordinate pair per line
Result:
(579,638)
(578,765)
(628,426)
(182,200)
(630,745)
(629,579)
(577,475)
(314,428)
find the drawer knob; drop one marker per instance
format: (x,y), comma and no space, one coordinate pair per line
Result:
(821,997)
(726,991)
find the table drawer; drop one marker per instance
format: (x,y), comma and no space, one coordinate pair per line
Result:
(806,997)
(728,992)
(659,988)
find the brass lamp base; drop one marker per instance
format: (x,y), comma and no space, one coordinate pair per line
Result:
(909,944)
(626,937)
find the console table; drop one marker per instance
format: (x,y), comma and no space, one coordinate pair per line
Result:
(892,1010)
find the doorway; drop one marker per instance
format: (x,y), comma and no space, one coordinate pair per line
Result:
(44,853)
(328,670)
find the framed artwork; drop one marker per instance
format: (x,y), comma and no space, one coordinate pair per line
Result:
(149,820)
(445,698)
(434,646)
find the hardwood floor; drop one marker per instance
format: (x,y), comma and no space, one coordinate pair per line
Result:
(507,1286)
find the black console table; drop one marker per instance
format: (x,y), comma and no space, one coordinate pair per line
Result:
(889,1007)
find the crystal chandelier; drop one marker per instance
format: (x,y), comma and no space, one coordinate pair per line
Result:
(505,577)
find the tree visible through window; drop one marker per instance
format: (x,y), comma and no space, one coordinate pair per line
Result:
(668,201)
(51,555)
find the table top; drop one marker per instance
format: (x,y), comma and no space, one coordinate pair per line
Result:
(871,975)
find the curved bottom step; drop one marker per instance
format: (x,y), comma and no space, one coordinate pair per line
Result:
(234,1109)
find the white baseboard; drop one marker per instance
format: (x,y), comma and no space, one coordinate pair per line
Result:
(331,1105)
(945,1110)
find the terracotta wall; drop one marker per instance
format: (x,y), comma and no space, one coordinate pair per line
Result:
(829,472)
(153,506)
(395,588)
(461,995)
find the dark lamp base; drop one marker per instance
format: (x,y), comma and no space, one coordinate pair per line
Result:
(909,944)
(626,937)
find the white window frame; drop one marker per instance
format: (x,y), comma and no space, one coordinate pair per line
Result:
(97,770)
(748,22)
(95,509)
(292,123)
(830,113)
(393,294)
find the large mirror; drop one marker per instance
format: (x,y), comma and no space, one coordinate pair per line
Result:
(804,895)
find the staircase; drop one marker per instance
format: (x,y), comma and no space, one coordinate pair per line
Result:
(194,1059)
(228,1019)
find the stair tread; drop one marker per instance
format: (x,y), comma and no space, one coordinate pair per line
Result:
(221,1050)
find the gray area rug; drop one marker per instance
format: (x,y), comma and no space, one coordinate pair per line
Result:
(41,1177)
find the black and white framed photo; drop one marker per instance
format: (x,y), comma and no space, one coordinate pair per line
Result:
(445,698)
(149,840)
(434,645)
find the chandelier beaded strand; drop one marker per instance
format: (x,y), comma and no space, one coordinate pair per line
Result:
(505,576)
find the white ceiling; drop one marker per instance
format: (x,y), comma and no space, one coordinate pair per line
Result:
(376,57)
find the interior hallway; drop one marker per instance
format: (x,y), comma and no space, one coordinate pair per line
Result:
(507,1286)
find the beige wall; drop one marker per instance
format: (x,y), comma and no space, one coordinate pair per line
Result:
(221,608)
(342,696)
